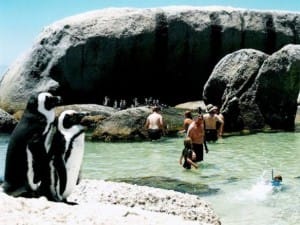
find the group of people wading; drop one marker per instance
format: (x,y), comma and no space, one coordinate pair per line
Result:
(198,130)
(203,128)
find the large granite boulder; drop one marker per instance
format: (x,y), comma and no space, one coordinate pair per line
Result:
(120,51)
(276,88)
(230,79)
(254,90)
(232,76)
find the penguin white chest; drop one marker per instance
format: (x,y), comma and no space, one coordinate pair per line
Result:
(73,163)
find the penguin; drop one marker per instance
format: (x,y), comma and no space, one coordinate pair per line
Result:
(28,146)
(65,157)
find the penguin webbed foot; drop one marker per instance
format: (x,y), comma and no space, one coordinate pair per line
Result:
(69,203)
(54,199)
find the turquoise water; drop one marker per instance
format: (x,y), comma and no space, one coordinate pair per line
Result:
(3,144)
(238,167)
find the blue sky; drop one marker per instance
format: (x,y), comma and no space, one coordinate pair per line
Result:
(22,20)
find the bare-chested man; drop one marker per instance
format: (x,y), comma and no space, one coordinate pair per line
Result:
(211,119)
(155,124)
(197,133)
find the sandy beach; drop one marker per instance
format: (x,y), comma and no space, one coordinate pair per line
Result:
(110,203)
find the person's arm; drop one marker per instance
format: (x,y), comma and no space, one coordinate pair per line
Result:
(192,163)
(188,133)
(147,123)
(205,146)
(162,125)
(220,131)
(180,159)
(204,141)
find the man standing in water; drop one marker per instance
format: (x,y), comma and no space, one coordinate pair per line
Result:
(197,133)
(211,120)
(155,124)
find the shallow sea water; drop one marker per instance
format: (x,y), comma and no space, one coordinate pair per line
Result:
(239,167)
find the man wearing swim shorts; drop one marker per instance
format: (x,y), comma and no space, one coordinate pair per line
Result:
(197,133)
(155,124)
(211,119)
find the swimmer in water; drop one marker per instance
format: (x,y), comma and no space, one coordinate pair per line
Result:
(276,181)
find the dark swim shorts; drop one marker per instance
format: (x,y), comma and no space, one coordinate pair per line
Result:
(198,149)
(154,134)
(211,135)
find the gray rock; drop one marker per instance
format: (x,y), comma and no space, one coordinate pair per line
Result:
(88,56)
(92,109)
(194,106)
(7,122)
(277,87)
(230,79)
(129,124)
(123,125)
(256,91)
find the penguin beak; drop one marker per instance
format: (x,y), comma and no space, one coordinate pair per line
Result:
(58,100)
(83,114)
(84,121)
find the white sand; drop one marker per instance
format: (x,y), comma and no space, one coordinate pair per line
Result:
(109,203)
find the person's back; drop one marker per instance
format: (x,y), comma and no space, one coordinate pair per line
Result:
(211,119)
(155,124)
(155,121)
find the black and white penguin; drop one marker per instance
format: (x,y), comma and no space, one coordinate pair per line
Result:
(28,146)
(65,156)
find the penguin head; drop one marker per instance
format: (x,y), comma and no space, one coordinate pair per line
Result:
(71,118)
(43,102)
(48,101)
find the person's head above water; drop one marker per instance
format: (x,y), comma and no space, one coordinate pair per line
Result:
(156,109)
(278,178)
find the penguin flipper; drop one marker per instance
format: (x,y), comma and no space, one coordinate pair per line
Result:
(62,174)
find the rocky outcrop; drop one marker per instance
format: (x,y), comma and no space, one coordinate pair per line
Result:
(101,202)
(193,106)
(123,125)
(255,90)
(276,88)
(230,79)
(232,76)
(129,124)
(7,122)
(108,52)
(108,124)
(97,113)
